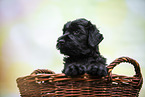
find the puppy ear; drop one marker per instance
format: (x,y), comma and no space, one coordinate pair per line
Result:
(94,36)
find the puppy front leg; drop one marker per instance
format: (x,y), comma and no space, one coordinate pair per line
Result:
(98,69)
(74,69)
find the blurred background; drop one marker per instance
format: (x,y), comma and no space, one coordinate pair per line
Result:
(29,30)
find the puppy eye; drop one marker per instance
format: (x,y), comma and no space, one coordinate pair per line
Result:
(76,32)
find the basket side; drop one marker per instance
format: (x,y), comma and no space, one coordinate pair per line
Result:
(28,87)
(119,86)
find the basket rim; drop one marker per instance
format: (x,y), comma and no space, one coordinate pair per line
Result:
(39,74)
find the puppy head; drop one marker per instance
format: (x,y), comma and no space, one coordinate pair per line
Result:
(79,37)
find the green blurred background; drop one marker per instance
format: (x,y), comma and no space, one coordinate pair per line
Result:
(29,30)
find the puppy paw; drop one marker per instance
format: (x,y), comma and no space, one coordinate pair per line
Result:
(74,70)
(97,70)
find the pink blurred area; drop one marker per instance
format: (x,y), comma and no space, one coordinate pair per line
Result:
(12,11)
(24,42)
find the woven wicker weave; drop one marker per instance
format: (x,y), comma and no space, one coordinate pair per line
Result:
(44,83)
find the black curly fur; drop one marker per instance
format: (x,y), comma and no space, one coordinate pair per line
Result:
(79,44)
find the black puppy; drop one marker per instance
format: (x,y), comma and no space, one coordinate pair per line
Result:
(79,44)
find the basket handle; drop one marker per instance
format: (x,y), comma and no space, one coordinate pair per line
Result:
(41,71)
(128,60)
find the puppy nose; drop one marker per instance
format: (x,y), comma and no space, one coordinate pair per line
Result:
(62,41)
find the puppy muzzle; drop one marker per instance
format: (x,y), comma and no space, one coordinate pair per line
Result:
(66,35)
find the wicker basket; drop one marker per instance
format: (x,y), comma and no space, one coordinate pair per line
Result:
(44,83)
